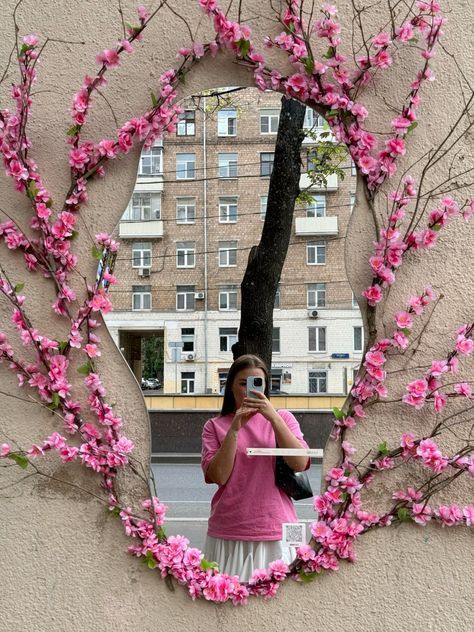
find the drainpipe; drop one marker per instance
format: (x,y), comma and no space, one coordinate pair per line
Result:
(204,151)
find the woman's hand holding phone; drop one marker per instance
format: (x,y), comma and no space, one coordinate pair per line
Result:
(262,405)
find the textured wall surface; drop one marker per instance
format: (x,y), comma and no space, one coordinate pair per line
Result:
(64,564)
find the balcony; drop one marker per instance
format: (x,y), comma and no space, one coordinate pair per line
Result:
(316,226)
(331,183)
(152,229)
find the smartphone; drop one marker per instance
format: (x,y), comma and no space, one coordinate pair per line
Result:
(255,383)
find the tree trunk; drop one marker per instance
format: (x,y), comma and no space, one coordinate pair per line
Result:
(266,260)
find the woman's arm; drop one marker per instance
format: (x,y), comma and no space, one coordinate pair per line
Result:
(220,468)
(284,436)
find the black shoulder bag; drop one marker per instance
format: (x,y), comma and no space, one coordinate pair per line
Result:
(295,484)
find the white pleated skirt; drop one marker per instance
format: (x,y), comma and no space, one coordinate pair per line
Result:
(243,557)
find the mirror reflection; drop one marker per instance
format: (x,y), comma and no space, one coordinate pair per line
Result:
(198,207)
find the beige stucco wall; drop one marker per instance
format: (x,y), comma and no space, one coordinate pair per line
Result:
(63,563)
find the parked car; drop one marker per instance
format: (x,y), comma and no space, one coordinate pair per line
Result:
(151,383)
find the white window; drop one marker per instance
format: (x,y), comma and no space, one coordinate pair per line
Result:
(228,165)
(185,210)
(228,210)
(228,298)
(317,206)
(353,168)
(227,337)
(222,380)
(185,297)
(227,122)
(187,338)
(185,254)
(313,120)
(141,298)
(141,254)
(187,381)
(266,163)
(150,161)
(317,339)
(186,123)
(185,166)
(269,121)
(276,340)
(145,206)
(263,206)
(358,338)
(318,381)
(316,253)
(316,293)
(227,254)
(352,201)
(354,301)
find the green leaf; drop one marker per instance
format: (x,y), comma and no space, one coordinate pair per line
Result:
(115,512)
(436,227)
(308,63)
(338,414)
(406,331)
(330,113)
(308,577)
(154,100)
(160,533)
(49,203)
(72,131)
(244,47)
(73,235)
(205,565)
(403,514)
(412,127)
(96,252)
(18,287)
(55,403)
(32,189)
(382,448)
(330,53)
(85,369)
(151,563)
(62,344)
(19,459)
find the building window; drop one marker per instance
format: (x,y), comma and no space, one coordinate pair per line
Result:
(186,123)
(150,161)
(353,168)
(145,207)
(228,298)
(185,297)
(358,338)
(316,295)
(222,374)
(187,338)
(185,166)
(228,165)
(227,122)
(227,254)
(318,381)
(228,210)
(352,201)
(185,210)
(316,253)
(313,120)
(276,302)
(141,298)
(227,337)
(317,206)
(141,254)
(263,206)
(276,340)
(266,163)
(269,121)
(317,339)
(187,381)
(354,301)
(185,254)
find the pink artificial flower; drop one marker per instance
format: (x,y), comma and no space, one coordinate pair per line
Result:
(373,294)
(381,40)
(464,345)
(109,58)
(440,400)
(403,320)
(5,450)
(468,513)
(421,513)
(449,516)
(400,340)
(463,388)
(367,164)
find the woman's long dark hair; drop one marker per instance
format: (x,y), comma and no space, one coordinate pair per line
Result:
(247,361)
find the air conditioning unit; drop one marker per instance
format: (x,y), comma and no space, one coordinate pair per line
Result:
(144,272)
(313,313)
(199,295)
(189,356)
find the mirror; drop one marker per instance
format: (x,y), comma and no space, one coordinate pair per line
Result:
(198,207)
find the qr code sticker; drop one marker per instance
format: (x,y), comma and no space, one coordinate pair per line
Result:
(294,533)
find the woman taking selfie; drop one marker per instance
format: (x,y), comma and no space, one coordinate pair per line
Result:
(248,509)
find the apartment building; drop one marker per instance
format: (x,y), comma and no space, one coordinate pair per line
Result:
(197,209)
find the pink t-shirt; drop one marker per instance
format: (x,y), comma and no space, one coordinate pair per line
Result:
(249,506)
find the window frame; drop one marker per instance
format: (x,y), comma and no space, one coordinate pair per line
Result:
(223,122)
(228,291)
(320,204)
(312,376)
(228,168)
(317,291)
(145,259)
(276,339)
(142,291)
(320,341)
(187,169)
(270,114)
(190,382)
(361,334)
(187,251)
(153,154)
(265,163)
(141,215)
(188,339)
(228,250)
(186,294)
(187,122)
(317,247)
(230,338)
(186,219)
(225,215)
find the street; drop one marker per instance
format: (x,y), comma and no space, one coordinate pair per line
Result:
(181,487)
